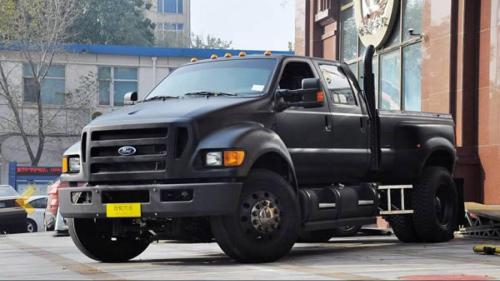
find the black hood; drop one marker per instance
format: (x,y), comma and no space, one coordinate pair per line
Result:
(169,110)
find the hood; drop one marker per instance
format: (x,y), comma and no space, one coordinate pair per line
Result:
(169,110)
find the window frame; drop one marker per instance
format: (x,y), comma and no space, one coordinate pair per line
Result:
(399,46)
(112,81)
(163,31)
(313,65)
(47,77)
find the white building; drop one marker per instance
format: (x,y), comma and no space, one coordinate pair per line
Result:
(172,19)
(83,81)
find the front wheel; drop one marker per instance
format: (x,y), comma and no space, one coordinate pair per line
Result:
(265,226)
(94,238)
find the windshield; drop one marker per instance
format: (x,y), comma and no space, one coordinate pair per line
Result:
(7,191)
(234,77)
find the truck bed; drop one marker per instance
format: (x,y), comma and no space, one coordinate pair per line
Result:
(406,138)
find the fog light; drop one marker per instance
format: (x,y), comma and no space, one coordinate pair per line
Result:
(213,159)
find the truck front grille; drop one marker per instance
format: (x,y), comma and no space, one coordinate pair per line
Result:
(149,156)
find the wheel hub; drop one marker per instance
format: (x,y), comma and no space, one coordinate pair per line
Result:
(265,216)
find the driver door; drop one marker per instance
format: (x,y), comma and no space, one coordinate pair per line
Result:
(305,131)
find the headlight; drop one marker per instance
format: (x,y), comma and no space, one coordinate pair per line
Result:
(213,159)
(228,158)
(71,164)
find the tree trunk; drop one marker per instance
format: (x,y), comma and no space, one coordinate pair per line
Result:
(41,133)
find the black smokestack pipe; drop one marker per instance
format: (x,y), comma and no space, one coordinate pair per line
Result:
(369,91)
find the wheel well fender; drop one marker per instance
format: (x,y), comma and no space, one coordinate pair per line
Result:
(439,152)
(260,145)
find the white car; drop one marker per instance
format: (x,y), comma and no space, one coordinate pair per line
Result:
(34,221)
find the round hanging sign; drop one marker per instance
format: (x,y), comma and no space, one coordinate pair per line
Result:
(375,19)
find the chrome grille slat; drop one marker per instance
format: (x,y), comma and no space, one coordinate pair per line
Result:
(128,142)
(125,159)
(150,157)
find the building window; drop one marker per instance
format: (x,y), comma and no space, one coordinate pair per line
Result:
(170,6)
(390,81)
(171,27)
(322,5)
(52,89)
(114,83)
(412,75)
(397,65)
(349,41)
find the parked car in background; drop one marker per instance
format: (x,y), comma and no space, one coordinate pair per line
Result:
(35,219)
(12,216)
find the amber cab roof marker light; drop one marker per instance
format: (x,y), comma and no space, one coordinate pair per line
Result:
(242,54)
(214,56)
(194,59)
(227,55)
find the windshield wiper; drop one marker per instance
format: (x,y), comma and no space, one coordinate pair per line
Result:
(162,98)
(210,94)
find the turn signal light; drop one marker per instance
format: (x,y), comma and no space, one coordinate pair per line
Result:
(64,165)
(320,96)
(233,158)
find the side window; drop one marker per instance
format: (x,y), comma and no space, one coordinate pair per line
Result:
(39,203)
(292,76)
(339,88)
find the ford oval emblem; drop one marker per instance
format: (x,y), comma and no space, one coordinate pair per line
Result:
(127,150)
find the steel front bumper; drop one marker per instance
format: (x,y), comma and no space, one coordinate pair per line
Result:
(208,199)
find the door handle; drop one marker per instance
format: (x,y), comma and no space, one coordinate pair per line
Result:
(328,124)
(363,124)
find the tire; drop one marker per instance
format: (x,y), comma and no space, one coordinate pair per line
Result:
(346,231)
(31,226)
(93,238)
(318,236)
(435,205)
(403,228)
(266,223)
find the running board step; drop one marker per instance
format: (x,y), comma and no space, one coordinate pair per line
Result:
(319,225)
(390,208)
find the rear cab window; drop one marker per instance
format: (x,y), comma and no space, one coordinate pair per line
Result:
(339,88)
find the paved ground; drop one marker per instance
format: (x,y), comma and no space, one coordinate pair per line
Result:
(41,256)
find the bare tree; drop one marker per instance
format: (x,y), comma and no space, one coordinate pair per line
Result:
(36,29)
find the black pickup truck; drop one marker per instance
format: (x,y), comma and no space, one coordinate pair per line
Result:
(259,150)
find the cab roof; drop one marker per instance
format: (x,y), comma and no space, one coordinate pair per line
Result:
(260,56)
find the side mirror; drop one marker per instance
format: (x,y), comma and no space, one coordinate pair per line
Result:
(130,98)
(311,84)
(309,96)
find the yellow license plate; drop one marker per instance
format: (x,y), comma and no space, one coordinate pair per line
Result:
(123,210)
